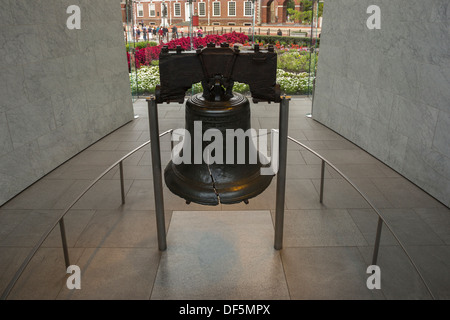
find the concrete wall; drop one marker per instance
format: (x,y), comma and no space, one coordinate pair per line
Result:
(388,90)
(60,90)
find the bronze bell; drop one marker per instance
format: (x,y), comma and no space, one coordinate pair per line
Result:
(235,173)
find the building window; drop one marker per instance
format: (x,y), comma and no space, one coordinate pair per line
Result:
(152,10)
(231,8)
(216,24)
(140,10)
(177,9)
(248,8)
(216,8)
(202,9)
(231,23)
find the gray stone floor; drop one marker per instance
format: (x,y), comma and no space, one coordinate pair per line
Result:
(226,252)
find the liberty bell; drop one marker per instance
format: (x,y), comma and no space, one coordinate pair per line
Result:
(217,159)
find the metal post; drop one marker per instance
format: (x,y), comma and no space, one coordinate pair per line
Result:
(377,241)
(191,31)
(122,188)
(322,180)
(157,173)
(281,177)
(253,24)
(64,242)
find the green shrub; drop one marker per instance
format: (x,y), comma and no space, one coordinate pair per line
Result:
(302,41)
(147,78)
(294,61)
(141,44)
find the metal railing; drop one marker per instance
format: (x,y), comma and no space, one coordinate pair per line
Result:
(60,220)
(161,236)
(381,219)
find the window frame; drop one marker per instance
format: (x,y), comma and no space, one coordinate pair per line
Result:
(175,9)
(204,9)
(251,8)
(139,5)
(150,5)
(214,7)
(232,15)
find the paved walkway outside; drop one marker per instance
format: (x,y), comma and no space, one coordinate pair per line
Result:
(226,252)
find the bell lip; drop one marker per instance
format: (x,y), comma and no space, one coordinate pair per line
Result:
(207,194)
(201,193)
(250,187)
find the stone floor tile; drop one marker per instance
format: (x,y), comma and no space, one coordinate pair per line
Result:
(338,193)
(301,194)
(438,219)
(358,171)
(320,228)
(434,264)
(31,228)
(367,222)
(120,229)
(410,228)
(403,194)
(220,255)
(45,275)
(115,274)
(42,195)
(399,279)
(105,194)
(75,221)
(326,273)
(10,262)
(9,220)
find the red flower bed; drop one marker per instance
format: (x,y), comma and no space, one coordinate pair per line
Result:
(289,47)
(146,55)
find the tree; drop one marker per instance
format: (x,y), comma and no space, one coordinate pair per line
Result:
(296,16)
(290,4)
(306,13)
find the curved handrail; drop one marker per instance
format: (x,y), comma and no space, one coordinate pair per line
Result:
(380,216)
(27,260)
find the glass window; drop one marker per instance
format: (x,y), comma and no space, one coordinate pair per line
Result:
(202,9)
(231,8)
(140,10)
(177,9)
(152,10)
(248,8)
(216,8)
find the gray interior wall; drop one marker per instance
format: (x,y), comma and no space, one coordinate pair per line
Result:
(388,90)
(60,90)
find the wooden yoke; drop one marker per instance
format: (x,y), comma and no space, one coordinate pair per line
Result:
(217,68)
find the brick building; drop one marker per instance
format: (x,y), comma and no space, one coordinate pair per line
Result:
(209,12)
